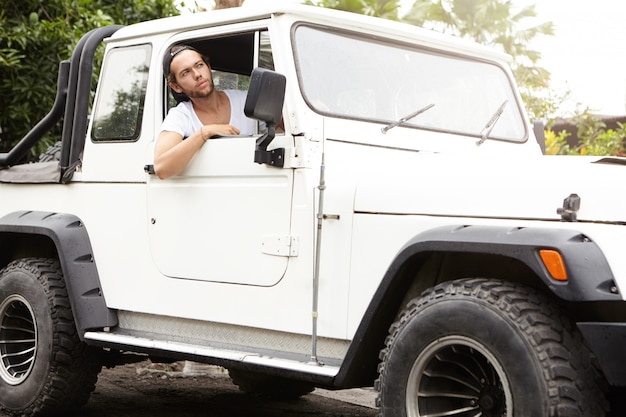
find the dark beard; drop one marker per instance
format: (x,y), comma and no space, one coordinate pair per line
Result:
(201,94)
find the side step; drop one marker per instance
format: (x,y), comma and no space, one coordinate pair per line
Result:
(108,339)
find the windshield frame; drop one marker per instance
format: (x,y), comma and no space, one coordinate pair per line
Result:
(514,121)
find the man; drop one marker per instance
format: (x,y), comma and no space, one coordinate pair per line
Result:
(203,113)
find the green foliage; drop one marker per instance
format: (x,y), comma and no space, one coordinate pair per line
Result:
(556,143)
(594,138)
(387,9)
(34,37)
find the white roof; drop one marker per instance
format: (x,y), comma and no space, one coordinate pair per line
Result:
(330,17)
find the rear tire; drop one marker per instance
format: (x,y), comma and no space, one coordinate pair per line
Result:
(53,153)
(44,367)
(490,348)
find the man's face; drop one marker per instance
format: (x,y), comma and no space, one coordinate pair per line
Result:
(192,75)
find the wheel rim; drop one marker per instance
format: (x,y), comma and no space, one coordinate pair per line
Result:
(18,339)
(455,376)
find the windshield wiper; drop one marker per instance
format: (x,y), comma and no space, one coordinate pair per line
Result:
(406,118)
(484,134)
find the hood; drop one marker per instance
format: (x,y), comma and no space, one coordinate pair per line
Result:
(518,188)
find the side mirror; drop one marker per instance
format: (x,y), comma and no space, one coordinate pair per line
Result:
(265,96)
(264,102)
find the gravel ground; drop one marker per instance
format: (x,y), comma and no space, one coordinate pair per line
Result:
(187,389)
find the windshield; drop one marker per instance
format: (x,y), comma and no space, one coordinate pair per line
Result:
(384,82)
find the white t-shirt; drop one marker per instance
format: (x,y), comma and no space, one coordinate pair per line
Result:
(183,119)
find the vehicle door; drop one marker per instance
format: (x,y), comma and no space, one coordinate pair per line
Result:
(225,218)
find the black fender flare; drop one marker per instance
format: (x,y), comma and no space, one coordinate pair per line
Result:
(70,237)
(589,278)
(589,275)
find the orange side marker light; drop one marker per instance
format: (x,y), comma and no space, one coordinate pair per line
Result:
(554,264)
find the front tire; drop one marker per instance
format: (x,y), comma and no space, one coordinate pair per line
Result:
(486,348)
(44,367)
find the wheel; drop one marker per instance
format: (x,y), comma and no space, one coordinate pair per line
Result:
(53,153)
(486,348)
(269,386)
(44,367)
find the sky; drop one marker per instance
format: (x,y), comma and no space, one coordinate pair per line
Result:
(586,56)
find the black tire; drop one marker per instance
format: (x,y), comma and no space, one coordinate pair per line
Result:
(53,153)
(268,386)
(490,348)
(44,369)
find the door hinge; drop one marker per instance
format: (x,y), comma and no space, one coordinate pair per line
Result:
(280,245)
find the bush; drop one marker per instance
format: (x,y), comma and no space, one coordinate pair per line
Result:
(34,37)
(594,138)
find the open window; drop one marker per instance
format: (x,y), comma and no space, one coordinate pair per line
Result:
(232,58)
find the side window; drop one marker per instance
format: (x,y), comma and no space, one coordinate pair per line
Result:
(119,110)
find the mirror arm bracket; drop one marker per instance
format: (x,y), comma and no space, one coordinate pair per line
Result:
(275,157)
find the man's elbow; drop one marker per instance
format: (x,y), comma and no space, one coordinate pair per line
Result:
(161,172)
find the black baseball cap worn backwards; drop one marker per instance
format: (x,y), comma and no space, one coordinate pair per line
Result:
(169,56)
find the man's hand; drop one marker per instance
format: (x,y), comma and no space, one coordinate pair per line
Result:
(209,131)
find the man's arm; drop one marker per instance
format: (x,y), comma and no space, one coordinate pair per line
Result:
(172,153)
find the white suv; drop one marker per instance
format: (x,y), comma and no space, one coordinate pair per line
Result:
(403,231)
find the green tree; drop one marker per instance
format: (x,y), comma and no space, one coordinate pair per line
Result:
(387,9)
(35,36)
